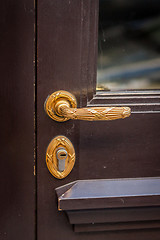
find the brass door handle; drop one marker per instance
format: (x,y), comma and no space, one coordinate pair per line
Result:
(62,106)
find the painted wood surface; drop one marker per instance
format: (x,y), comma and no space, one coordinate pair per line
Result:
(17,188)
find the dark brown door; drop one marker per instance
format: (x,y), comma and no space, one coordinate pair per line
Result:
(113,191)
(126,151)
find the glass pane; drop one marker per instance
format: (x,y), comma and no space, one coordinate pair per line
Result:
(129,45)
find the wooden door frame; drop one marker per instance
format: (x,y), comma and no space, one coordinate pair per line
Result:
(17,202)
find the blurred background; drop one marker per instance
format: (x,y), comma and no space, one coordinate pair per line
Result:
(128,45)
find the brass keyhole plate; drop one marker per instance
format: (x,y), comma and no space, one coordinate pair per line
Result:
(52,160)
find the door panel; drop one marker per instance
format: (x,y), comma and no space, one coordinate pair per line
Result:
(67,40)
(125,148)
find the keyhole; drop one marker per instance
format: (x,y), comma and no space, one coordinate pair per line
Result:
(61,155)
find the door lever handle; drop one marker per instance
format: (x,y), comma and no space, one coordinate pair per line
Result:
(62,106)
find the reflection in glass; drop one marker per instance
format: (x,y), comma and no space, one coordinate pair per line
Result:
(129,45)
